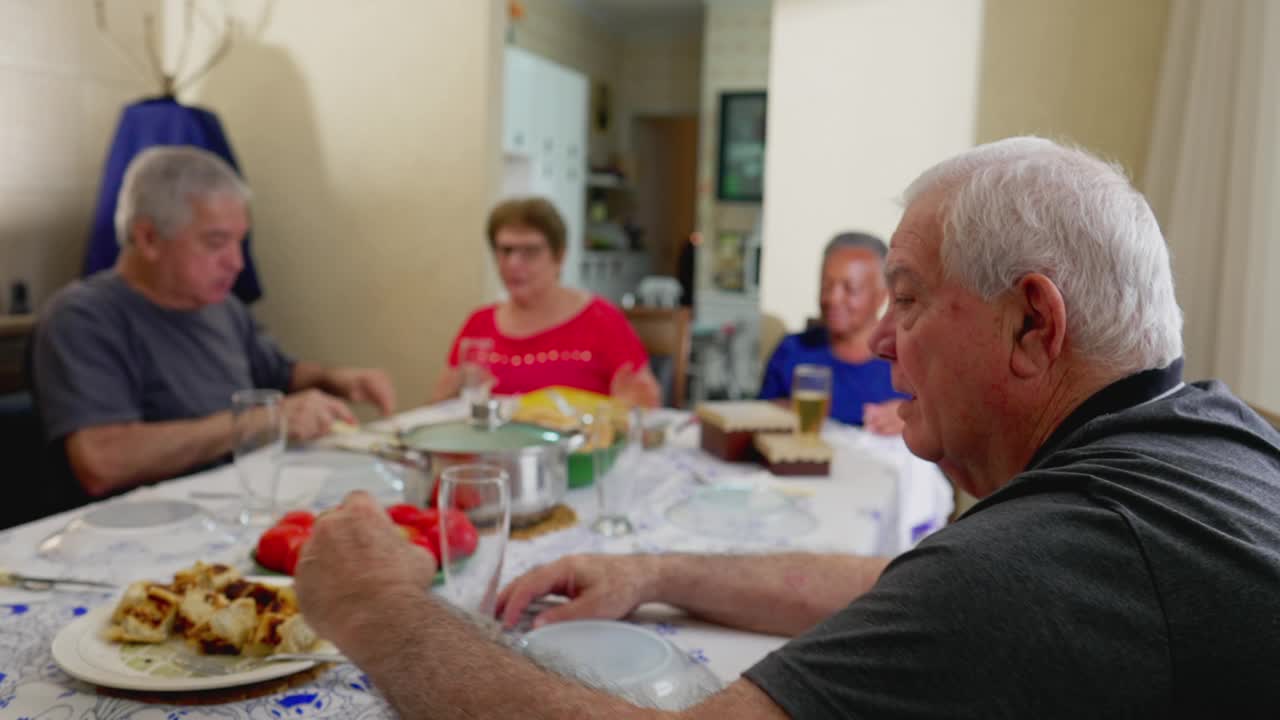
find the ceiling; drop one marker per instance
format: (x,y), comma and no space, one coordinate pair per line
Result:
(645,16)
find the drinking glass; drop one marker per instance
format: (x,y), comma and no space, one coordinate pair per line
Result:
(258,435)
(472,558)
(473,361)
(811,397)
(613,469)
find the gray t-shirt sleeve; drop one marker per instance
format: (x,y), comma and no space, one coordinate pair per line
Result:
(1030,618)
(85,374)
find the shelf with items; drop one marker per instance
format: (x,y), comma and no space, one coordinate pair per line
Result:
(613,273)
(608,181)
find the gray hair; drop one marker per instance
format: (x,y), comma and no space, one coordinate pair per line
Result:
(1029,205)
(855,241)
(161,182)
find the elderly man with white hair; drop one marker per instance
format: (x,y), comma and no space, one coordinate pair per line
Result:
(1124,560)
(134,367)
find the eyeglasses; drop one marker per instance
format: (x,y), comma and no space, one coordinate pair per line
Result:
(524,252)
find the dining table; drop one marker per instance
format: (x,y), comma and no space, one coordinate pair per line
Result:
(877,499)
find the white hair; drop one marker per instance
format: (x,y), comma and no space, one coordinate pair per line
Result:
(161,183)
(1029,205)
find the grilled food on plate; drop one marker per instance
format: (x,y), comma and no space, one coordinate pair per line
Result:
(214,610)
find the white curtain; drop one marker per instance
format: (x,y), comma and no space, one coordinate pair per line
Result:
(1213,178)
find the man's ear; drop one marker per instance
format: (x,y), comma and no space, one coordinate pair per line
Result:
(145,238)
(1040,337)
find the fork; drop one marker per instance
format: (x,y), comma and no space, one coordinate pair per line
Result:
(306,657)
(213,665)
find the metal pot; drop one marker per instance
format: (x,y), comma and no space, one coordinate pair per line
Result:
(535,458)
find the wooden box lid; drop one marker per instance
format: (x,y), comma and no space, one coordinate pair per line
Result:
(746,416)
(790,447)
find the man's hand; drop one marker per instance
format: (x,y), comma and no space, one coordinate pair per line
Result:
(636,386)
(882,418)
(355,552)
(598,586)
(364,385)
(311,413)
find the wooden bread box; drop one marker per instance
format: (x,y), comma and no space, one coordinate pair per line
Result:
(729,427)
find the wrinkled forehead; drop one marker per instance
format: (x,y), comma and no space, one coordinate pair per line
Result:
(217,209)
(915,249)
(852,260)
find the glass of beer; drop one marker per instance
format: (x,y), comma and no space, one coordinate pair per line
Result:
(811,397)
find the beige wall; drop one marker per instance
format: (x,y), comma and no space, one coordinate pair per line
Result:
(369,134)
(61,91)
(735,56)
(1086,71)
(844,167)
(660,75)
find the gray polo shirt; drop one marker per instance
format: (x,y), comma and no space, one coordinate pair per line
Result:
(1131,571)
(106,354)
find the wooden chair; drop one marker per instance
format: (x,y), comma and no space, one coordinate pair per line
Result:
(666,332)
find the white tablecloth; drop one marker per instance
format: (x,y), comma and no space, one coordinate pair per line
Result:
(873,503)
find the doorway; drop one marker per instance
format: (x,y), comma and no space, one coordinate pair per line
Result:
(666,169)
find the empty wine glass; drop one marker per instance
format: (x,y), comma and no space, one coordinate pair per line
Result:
(613,469)
(475,521)
(258,435)
(473,362)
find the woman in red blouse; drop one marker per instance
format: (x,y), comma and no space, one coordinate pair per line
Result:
(545,333)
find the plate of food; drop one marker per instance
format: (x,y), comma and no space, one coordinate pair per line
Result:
(208,628)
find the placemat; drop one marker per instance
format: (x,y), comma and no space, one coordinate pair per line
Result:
(562,516)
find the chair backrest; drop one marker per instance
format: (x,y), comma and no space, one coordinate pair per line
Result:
(666,332)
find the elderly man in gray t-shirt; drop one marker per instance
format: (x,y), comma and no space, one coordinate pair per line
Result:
(134,367)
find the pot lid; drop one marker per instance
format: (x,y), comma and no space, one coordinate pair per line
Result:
(464,437)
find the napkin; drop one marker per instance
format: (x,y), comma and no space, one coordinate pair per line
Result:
(920,499)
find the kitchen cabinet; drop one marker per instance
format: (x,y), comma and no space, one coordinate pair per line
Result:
(545,142)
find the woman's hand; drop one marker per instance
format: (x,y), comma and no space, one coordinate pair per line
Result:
(882,418)
(452,380)
(448,385)
(636,387)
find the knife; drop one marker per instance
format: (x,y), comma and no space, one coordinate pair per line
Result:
(33,582)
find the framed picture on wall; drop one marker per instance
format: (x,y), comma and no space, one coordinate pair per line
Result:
(741,152)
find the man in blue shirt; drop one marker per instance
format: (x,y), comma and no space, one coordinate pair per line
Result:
(853,291)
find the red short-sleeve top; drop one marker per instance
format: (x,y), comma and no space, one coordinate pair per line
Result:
(583,352)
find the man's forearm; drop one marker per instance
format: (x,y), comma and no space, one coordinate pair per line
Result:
(433,663)
(307,375)
(115,457)
(784,594)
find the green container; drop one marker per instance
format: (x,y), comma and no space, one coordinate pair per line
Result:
(581,472)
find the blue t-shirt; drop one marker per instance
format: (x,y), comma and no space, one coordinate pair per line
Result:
(852,384)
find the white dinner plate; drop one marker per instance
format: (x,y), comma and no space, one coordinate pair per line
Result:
(624,659)
(744,512)
(80,650)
